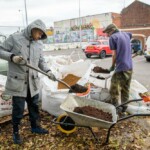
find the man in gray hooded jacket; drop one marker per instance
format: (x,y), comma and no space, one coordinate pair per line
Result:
(23,83)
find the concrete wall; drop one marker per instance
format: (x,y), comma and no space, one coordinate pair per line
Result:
(98,21)
(59,46)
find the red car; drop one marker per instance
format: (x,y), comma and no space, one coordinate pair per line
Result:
(99,48)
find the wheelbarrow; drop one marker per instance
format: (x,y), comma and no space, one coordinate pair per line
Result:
(68,122)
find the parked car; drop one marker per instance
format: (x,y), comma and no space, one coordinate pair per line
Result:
(84,46)
(147,49)
(100,48)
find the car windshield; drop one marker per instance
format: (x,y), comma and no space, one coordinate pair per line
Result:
(94,43)
(105,43)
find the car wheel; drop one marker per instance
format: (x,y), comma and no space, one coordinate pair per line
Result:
(147,59)
(102,54)
(88,55)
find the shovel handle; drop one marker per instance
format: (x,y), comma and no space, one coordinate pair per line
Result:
(24,62)
(36,69)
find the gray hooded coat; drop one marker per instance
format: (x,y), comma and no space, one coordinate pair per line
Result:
(20,78)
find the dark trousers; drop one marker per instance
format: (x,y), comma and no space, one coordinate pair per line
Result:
(18,110)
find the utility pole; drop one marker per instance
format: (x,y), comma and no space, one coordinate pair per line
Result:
(80,25)
(124,4)
(21,14)
(26,12)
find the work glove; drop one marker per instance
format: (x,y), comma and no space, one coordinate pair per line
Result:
(51,76)
(17,59)
(112,68)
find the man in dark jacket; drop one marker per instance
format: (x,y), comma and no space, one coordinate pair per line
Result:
(121,62)
(23,83)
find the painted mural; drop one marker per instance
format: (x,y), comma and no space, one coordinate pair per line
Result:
(91,28)
(74,36)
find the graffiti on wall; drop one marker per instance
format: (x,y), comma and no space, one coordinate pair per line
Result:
(74,36)
(91,28)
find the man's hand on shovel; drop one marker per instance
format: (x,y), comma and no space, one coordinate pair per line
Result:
(17,59)
(51,75)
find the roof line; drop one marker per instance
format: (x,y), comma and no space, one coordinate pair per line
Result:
(86,16)
(131,29)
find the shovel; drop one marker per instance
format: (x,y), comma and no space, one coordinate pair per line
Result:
(75,88)
(24,62)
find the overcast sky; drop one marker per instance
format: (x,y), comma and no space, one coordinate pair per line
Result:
(12,12)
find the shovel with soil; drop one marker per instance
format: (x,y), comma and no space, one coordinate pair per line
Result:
(75,88)
(98,69)
(71,80)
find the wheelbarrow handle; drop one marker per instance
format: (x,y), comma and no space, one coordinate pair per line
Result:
(135,100)
(24,62)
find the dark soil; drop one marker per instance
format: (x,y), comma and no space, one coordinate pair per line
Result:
(78,89)
(94,112)
(100,70)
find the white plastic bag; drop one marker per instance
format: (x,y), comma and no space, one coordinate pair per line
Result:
(51,102)
(5,105)
(139,109)
(101,94)
(135,89)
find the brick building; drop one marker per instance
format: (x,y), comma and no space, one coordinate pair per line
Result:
(136,19)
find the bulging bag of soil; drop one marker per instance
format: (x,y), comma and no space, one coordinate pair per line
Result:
(5,101)
(98,69)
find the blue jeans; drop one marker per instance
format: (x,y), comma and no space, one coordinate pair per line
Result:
(18,110)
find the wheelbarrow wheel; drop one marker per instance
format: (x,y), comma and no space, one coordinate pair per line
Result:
(64,119)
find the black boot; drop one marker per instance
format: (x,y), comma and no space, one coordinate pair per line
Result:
(36,128)
(16,138)
(39,130)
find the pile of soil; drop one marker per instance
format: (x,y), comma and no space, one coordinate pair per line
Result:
(98,69)
(78,89)
(70,79)
(94,112)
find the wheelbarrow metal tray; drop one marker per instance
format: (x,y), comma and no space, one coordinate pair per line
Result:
(83,120)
